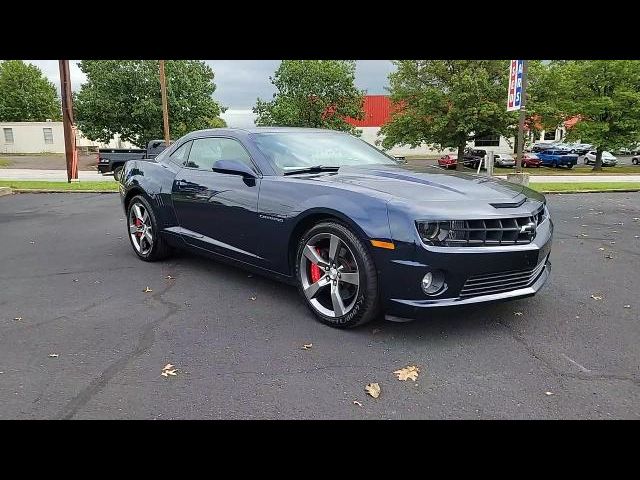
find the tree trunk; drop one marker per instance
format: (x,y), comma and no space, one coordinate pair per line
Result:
(597,167)
(460,165)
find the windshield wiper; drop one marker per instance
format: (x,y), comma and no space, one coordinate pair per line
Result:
(317,168)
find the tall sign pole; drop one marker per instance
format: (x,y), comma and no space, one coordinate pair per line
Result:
(516,100)
(67,121)
(165,109)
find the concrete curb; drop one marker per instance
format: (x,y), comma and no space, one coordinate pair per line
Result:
(41,190)
(5,191)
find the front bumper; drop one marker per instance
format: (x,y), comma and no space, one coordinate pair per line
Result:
(104,168)
(400,277)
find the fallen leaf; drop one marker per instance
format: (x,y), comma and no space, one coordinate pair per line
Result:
(577,316)
(373,389)
(147,290)
(17,319)
(517,314)
(164,374)
(355,402)
(612,243)
(32,242)
(107,233)
(596,297)
(548,394)
(627,306)
(53,355)
(636,219)
(168,366)
(407,373)
(608,256)
(169,277)
(636,236)
(252,298)
(614,231)
(97,281)
(187,304)
(601,249)
(171,372)
(620,223)
(76,280)
(307,346)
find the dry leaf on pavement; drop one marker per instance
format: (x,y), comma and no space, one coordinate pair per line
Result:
(548,394)
(17,319)
(627,306)
(596,297)
(168,369)
(307,346)
(601,249)
(355,402)
(168,366)
(517,314)
(408,373)
(53,355)
(147,290)
(252,298)
(169,277)
(373,389)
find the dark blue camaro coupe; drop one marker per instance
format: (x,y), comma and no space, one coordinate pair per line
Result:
(356,231)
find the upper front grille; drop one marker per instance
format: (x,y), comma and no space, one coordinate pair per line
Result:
(485,232)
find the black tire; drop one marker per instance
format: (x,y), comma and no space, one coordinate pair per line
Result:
(634,161)
(159,249)
(570,166)
(366,305)
(117,172)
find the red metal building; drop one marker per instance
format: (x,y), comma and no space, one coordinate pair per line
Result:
(377,110)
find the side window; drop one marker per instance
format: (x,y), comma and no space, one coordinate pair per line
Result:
(207,151)
(180,155)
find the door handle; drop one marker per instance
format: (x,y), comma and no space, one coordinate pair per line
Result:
(181,183)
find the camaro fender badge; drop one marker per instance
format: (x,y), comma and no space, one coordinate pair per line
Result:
(270,217)
(529,228)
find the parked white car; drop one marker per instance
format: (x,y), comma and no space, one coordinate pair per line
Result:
(503,160)
(608,160)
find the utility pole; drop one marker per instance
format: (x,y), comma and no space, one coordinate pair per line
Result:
(165,109)
(522,117)
(67,121)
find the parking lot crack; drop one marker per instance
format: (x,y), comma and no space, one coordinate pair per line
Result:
(145,341)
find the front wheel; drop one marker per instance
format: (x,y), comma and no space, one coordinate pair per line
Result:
(570,166)
(336,276)
(634,161)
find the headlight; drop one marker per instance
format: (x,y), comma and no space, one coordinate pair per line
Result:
(433,233)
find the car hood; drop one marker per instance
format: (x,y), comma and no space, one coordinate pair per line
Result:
(421,183)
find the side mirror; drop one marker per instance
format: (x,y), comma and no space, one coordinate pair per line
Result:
(233,167)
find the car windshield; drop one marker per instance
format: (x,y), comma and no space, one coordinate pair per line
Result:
(299,150)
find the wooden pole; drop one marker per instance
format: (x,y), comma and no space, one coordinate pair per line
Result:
(522,118)
(67,120)
(165,108)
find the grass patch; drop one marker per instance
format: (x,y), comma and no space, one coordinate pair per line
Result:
(581,170)
(4,163)
(59,186)
(584,186)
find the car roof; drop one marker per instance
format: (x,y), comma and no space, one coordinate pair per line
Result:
(227,131)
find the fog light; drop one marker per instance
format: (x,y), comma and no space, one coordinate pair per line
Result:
(427,280)
(432,282)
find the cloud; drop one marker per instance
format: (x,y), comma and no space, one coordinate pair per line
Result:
(240,82)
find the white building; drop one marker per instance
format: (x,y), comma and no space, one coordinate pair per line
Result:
(44,137)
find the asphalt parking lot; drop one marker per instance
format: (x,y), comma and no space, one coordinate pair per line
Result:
(80,339)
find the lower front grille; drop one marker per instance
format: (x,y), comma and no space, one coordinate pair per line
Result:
(500,282)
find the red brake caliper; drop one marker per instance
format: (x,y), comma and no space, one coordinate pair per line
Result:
(138,223)
(316,272)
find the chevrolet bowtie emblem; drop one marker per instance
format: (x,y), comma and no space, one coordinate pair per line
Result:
(528,228)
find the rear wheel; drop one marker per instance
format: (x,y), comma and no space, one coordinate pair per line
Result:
(336,276)
(634,161)
(570,166)
(144,233)
(117,172)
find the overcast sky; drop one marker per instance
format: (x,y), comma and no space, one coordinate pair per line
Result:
(240,82)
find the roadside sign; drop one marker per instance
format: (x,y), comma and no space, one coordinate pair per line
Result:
(514,101)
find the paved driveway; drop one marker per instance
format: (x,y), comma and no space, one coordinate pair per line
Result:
(90,344)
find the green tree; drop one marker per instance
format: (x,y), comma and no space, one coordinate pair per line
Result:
(123,97)
(447,103)
(312,93)
(25,94)
(605,95)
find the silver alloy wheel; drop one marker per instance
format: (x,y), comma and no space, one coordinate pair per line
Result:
(339,272)
(140,229)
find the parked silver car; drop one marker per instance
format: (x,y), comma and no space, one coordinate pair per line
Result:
(608,160)
(503,160)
